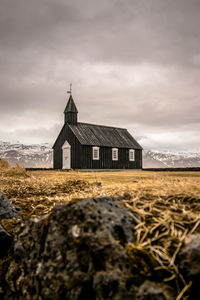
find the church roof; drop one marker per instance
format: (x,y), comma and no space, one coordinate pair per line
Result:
(71,107)
(103,136)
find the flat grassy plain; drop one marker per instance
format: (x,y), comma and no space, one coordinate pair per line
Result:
(168,204)
(36,192)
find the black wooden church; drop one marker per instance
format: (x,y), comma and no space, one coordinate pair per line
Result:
(89,146)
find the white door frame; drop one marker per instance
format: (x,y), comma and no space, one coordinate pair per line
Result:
(66,156)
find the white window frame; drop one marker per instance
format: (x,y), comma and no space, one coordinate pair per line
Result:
(131,155)
(95,155)
(114,153)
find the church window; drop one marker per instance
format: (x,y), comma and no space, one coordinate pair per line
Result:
(132,155)
(95,153)
(114,154)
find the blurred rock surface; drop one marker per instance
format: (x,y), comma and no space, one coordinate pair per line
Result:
(150,290)
(189,262)
(85,250)
(5,241)
(7,210)
(76,252)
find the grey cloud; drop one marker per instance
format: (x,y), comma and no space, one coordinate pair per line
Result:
(133,64)
(32,136)
(160,31)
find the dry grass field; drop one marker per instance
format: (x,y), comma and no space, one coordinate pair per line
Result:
(168,203)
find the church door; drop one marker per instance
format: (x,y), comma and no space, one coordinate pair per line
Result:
(66,155)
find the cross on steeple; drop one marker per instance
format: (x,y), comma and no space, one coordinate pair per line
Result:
(70,89)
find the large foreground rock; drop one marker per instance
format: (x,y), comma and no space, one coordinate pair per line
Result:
(7,210)
(155,291)
(5,241)
(189,262)
(77,252)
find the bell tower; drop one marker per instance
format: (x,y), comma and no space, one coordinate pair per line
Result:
(71,111)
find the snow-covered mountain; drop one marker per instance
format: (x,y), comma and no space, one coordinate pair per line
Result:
(155,159)
(41,156)
(32,156)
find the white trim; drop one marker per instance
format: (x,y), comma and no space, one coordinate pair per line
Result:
(131,155)
(66,156)
(95,153)
(114,153)
(66,145)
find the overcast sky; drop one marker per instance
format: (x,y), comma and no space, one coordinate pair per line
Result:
(132,63)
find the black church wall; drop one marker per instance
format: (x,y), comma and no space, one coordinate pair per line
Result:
(81,156)
(105,159)
(138,159)
(57,151)
(67,135)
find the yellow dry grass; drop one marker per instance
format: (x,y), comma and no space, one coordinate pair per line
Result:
(168,203)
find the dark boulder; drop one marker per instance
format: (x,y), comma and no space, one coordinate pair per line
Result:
(76,252)
(5,241)
(7,210)
(188,261)
(155,291)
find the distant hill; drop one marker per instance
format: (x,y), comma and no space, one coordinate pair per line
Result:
(154,159)
(32,156)
(41,156)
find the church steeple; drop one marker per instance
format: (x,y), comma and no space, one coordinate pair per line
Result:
(71,112)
